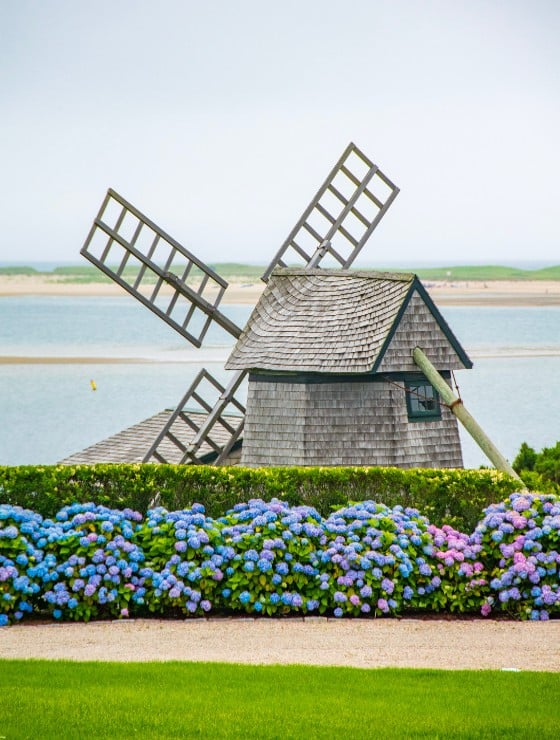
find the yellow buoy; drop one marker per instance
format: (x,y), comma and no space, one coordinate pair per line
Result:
(93,385)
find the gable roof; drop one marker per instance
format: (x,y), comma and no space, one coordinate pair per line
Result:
(331,321)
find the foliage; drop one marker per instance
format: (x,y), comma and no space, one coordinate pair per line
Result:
(91,564)
(184,558)
(453,497)
(520,538)
(460,569)
(525,459)
(377,560)
(46,699)
(19,529)
(547,463)
(275,559)
(540,470)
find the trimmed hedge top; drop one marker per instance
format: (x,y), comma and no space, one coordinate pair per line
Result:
(453,497)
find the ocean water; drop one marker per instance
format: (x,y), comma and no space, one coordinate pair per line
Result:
(141,366)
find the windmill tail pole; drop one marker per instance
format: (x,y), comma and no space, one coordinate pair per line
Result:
(470,424)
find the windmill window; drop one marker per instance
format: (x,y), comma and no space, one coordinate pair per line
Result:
(422,401)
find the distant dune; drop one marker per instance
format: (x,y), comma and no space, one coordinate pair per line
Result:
(247,289)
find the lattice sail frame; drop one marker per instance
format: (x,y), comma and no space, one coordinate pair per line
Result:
(337,223)
(220,429)
(341,217)
(154,268)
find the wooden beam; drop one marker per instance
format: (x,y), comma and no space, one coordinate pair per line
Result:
(470,424)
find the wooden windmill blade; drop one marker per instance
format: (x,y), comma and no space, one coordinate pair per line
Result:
(202,428)
(341,217)
(179,288)
(154,268)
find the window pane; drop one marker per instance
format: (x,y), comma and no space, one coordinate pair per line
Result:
(422,400)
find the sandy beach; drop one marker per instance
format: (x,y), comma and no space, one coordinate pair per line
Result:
(475,293)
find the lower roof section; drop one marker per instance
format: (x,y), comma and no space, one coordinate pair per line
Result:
(131,445)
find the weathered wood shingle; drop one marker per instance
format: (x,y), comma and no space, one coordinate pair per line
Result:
(333,321)
(341,423)
(132,444)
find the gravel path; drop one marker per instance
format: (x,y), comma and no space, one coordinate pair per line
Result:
(414,643)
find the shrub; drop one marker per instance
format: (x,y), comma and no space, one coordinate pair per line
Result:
(273,557)
(19,530)
(539,470)
(460,568)
(547,463)
(525,458)
(377,560)
(91,564)
(453,497)
(520,538)
(184,560)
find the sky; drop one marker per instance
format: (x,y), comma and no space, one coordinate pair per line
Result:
(219,120)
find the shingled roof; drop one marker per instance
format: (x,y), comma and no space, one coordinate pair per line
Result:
(132,444)
(330,321)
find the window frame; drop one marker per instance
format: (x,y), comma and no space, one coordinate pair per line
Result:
(414,414)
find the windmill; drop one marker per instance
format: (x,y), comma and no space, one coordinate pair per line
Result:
(186,293)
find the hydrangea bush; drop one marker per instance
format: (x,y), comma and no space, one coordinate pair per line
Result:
(276,559)
(273,557)
(20,529)
(184,561)
(377,560)
(520,539)
(91,564)
(459,570)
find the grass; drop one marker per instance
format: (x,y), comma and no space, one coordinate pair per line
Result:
(487,272)
(16,270)
(170,700)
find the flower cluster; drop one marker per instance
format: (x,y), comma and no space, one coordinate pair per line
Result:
(20,529)
(459,570)
(184,560)
(275,559)
(520,538)
(273,554)
(91,564)
(377,560)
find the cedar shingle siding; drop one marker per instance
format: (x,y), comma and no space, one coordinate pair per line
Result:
(418,328)
(358,423)
(318,345)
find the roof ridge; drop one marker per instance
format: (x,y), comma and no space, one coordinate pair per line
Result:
(402,277)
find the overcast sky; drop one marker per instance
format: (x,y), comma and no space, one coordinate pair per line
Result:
(220,119)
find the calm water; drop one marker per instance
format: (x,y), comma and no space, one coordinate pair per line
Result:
(48,411)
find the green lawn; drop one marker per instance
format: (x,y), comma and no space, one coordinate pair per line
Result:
(44,699)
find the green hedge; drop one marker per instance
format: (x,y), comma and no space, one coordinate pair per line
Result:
(455,497)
